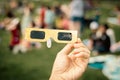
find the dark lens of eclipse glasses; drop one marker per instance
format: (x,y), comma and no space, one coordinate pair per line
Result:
(65,36)
(37,34)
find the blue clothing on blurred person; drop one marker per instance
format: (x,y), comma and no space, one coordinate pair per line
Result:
(49,18)
(26,19)
(110,65)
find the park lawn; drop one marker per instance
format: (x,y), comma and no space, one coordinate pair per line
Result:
(33,65)
(36,64)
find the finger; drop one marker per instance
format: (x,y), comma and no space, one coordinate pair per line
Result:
(83,55)
(67,49)
(78,50)
(77,45)
(78,40)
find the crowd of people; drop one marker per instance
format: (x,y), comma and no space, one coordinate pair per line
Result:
(68,17)
(21,15)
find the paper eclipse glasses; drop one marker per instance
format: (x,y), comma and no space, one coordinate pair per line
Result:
(42,35)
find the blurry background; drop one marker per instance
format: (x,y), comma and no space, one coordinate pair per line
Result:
(35,63)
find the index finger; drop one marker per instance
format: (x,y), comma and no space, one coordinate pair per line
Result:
(79,44)
(78,40)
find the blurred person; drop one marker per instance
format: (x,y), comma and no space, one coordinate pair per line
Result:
(16,6)
(49,17)
(101,41)
(70,62)
(93,27)
(65,22)
(13,4)
(62,22)
(9,15)
(110,33)
(115,47)
(25,45)
(42,16)
(26,19)
(13,25)
(58,22)
(26,22)
(89,42)
(65,10)
(37,22)
(58,11)
(115,20)
(77,15)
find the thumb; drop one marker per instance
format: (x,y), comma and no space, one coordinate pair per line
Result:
(67,49)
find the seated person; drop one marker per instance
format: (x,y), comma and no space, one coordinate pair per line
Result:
(110,32)
(100,41)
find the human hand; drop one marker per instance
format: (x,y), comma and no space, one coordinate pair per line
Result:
(70,62)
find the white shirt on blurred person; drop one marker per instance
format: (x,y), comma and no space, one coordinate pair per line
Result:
(77,8)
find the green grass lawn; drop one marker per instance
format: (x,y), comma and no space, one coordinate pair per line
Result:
(36,64)
(33,65)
